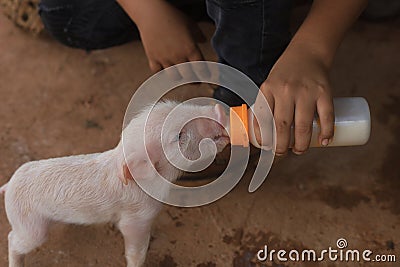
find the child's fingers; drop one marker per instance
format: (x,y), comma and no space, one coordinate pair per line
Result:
(176,71)
(303,119)
(172,71)
(263,121)
(265,89)
(186,72)
(283,114)
(195,54)
(155,66)
(197,34)
(201,70)
(326,118)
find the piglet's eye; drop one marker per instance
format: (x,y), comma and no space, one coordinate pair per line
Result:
(178,137)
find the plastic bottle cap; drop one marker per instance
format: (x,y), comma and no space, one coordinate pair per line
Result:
(239,127)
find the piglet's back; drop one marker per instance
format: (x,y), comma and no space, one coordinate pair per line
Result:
(69,188)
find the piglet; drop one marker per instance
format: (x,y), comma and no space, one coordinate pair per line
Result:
(101,187)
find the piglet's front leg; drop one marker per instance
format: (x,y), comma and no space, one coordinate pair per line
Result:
(136,233)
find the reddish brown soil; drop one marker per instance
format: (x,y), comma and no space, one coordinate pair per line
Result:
(59,101)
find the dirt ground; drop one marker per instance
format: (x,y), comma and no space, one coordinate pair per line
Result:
(58,101)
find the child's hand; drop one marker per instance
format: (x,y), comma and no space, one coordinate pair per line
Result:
(298,84)
(296,87)
(168,36)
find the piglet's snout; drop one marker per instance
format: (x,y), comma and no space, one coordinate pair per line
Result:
(220,125)
(221,116)
(213,130)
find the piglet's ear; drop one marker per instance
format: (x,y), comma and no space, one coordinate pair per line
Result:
(125,175)
(138,169)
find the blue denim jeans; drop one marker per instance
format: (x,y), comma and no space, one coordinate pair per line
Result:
(250,35)
(98,24)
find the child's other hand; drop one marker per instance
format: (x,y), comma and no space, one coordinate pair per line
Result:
(168,36)
(297,86)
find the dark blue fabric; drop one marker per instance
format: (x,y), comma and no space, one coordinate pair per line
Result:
(98,24)
(250,34)
(87,24)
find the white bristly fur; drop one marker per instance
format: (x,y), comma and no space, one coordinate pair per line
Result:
(86,189)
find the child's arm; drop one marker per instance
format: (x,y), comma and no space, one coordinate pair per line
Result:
(298,84)
(166,33)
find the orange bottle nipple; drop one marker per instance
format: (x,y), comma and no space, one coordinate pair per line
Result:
(239,126)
